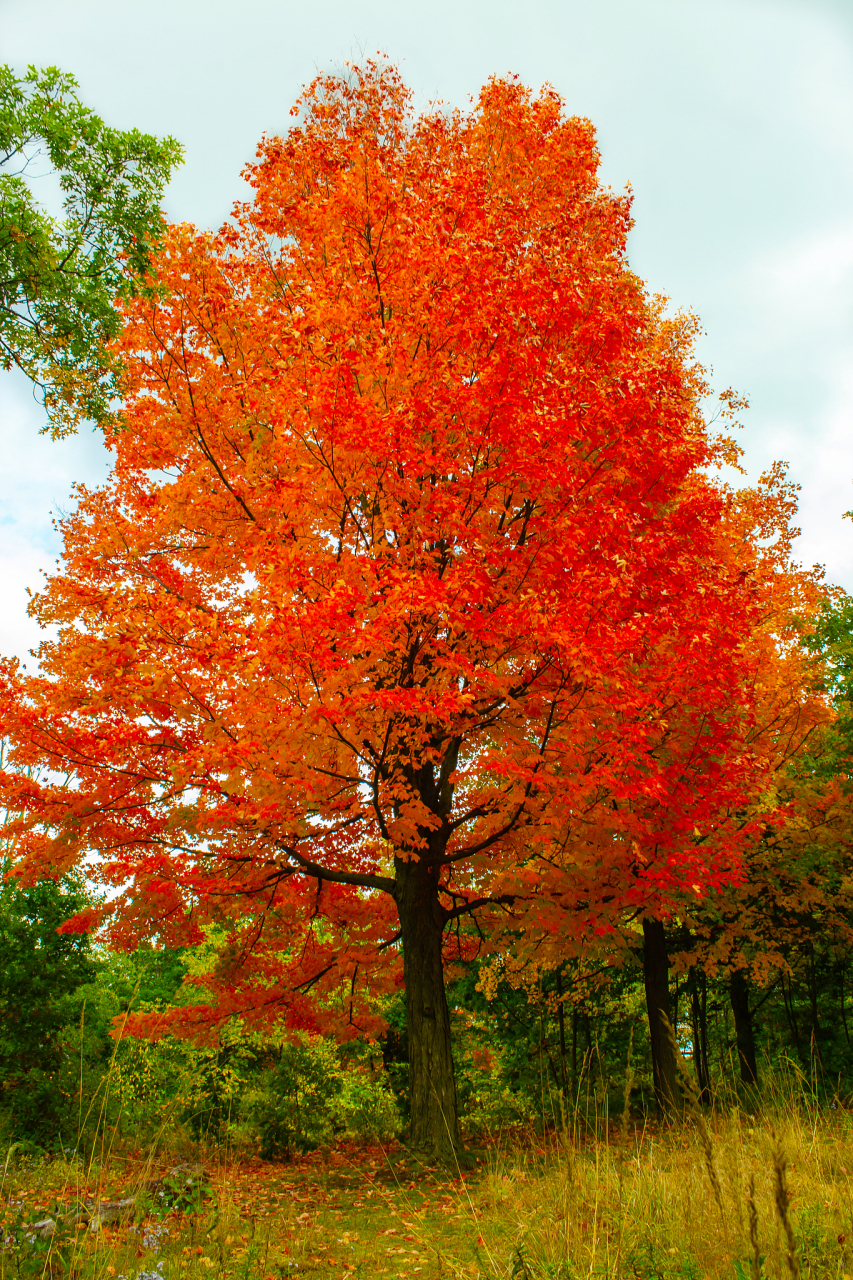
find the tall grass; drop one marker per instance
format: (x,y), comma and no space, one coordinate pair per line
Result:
(731,1193)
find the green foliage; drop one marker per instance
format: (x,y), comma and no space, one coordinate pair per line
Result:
(652,1262)
(498,1085)
(291,1109)
(832,639)
(154,1084)
(60,277)
(42,976)
(530,1047)
(308,1097)
(37,1255)
(180,1193)
(271,1094)
(365,1107)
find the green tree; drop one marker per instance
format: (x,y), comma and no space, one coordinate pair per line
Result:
(831,637)
(60,277)
(40,972)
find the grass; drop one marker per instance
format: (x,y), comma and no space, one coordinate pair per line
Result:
(749,1198)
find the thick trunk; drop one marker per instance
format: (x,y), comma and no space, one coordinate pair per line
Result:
(434,1122)
(744,1034)
(656,977)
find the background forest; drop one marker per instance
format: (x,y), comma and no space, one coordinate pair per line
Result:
(525,1052)
(531,1045)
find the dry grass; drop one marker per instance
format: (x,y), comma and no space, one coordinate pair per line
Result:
(683,1203)
(731,1197)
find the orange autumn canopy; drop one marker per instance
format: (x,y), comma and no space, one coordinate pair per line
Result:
(407,559)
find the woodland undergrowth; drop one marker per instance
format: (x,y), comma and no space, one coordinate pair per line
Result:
(728,1194)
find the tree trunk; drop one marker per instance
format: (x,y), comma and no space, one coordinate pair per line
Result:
(561,1023)
(434,1120)
(698,986)
(575,1043)
(790,1013)
(813,1002)
(744,1034)
(843,1013)
(656,976)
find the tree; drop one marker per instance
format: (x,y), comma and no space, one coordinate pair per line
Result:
(59,279)
(40,969)
(408,546)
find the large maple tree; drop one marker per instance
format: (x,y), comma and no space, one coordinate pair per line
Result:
(408,547)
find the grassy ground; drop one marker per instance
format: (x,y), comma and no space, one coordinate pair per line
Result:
(739,1198)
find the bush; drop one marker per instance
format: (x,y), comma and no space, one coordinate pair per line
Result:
(291,1108)
(367,1107)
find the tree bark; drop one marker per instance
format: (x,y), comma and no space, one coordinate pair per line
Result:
(561,1022)
(813,1003)
(744,1033)
(434,1119)
(575,1043)
(843,1013)
(698,986)
(790,1013)
(656,977)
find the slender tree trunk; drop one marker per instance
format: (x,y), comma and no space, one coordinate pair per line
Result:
(703,1025)
(656,976)
(434,1120)
(813,1003)
(561,1022)
(575,1043)
(788,1002)
(698,988)
(843,1012)
(744,1033)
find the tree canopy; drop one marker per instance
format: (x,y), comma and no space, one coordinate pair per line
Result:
(410,598)
(60,276)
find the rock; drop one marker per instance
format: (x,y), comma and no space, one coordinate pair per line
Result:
(42,1229)
(107,1211)
(178,1186)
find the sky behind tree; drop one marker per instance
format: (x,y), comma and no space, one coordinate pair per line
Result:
(732,122)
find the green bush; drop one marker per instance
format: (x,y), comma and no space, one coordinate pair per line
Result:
(292,1107)
(367,1108)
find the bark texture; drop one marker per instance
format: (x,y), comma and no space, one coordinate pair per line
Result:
(434,1120)
(656,978)
(744,1033)
(698,987)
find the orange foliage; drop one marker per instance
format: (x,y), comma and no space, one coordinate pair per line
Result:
(409,559)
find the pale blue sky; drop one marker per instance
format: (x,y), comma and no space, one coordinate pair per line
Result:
(733,123)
